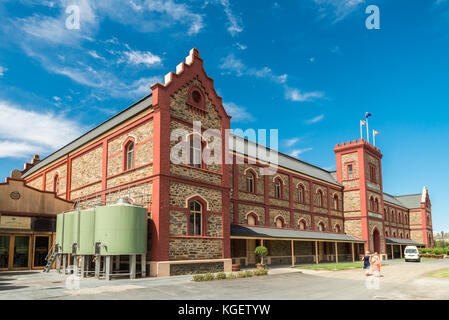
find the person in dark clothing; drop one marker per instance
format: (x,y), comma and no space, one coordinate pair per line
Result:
(366,263)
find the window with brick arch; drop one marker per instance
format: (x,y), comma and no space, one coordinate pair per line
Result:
(321,227)
(250,182)
(56,184)
(376,205)
(386,233)
(278,188)
(196,146)
(372,174)
(337,228)
(335,202)
(302,225)
(350,172)
(386,214)
(251,219)
(319,198)
(195,221)
(129,156)
(301,194)
(371,204)
(279,222)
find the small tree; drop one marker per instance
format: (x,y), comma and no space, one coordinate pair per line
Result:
(261,251)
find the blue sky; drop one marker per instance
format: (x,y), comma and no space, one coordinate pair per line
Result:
(309,68)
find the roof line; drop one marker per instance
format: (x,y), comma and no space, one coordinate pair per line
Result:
(41,164)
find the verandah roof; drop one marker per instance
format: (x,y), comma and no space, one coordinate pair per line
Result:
(288,234)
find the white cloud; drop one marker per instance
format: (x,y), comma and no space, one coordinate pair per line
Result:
(24,132)
(316,119)
(291,142)
(95,55)
(298,96)
(239,114)
(234,65)
(337,9)
(145,58)
(234,22)
(297,152)
(2,71)
(240,46)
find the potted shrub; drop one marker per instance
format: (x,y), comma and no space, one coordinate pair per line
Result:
(261,251)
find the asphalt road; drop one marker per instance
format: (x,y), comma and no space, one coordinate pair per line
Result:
(400,280)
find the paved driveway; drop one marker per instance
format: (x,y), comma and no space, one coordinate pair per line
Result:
(400,280)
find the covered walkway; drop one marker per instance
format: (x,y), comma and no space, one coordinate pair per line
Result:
(395,247)
(294,247)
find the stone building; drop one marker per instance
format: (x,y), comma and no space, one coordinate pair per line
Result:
(203,215)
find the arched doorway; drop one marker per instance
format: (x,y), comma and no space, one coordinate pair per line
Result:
(376,240)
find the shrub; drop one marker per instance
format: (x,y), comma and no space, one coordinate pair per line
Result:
(220,276)
(249,273)
(208,277)
(261,251)
(438,251)
(241,274)
(198,277)
(232,276)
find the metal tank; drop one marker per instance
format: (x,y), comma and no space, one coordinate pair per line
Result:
(67,238)
(59,231)
(86,240)
(120,229)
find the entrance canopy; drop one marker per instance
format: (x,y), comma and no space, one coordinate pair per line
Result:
(288,234)
(403,242)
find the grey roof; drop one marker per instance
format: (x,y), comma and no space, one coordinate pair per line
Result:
(259,232)
(412,201)
(403,241)
(119,118)
(254,150)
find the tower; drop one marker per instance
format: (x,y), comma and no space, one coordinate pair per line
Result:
(359,170)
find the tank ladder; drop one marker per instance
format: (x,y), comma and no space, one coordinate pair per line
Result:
(51,257)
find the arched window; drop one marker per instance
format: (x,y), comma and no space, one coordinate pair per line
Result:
(279,222)
(251,219)
(393,218)
(195,218)
(321,227)
(56,184)
(301,194)
(406,219)
(385,214)
(337,228)
(386,233)
(371,203)
(195,159)
(250,182)
(406,236)
(302,225)
(335,202)
(319,199)
(400,235)
(394,234)
(278,188)
(376,205)
(129,156)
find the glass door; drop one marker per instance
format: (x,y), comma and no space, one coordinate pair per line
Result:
(21,252)
(4,251)
(41,249)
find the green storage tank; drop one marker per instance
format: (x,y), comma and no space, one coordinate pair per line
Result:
(86,243)
(67,238)
(59,230)
(76,228)
(121,229)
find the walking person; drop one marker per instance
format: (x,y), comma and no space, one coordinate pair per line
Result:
(375,261)
(366,263)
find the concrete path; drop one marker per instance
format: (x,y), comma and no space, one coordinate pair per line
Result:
(400,281)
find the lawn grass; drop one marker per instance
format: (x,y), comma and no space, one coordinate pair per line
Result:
(335,266)
(422,259)
(439,274)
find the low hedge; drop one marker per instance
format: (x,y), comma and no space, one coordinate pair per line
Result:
(222,275)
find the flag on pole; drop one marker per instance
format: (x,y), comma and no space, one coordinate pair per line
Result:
(362,123)
(374,136)
(367,115)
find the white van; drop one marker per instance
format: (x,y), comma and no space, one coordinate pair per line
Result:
(411,253)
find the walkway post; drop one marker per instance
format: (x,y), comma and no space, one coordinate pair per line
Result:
(316,252)
(336,252)
(400,250)
(352,247)
(293,254)
(392,252)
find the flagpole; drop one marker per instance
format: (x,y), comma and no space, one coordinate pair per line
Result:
(374,138)
(367,129)
(361,130)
